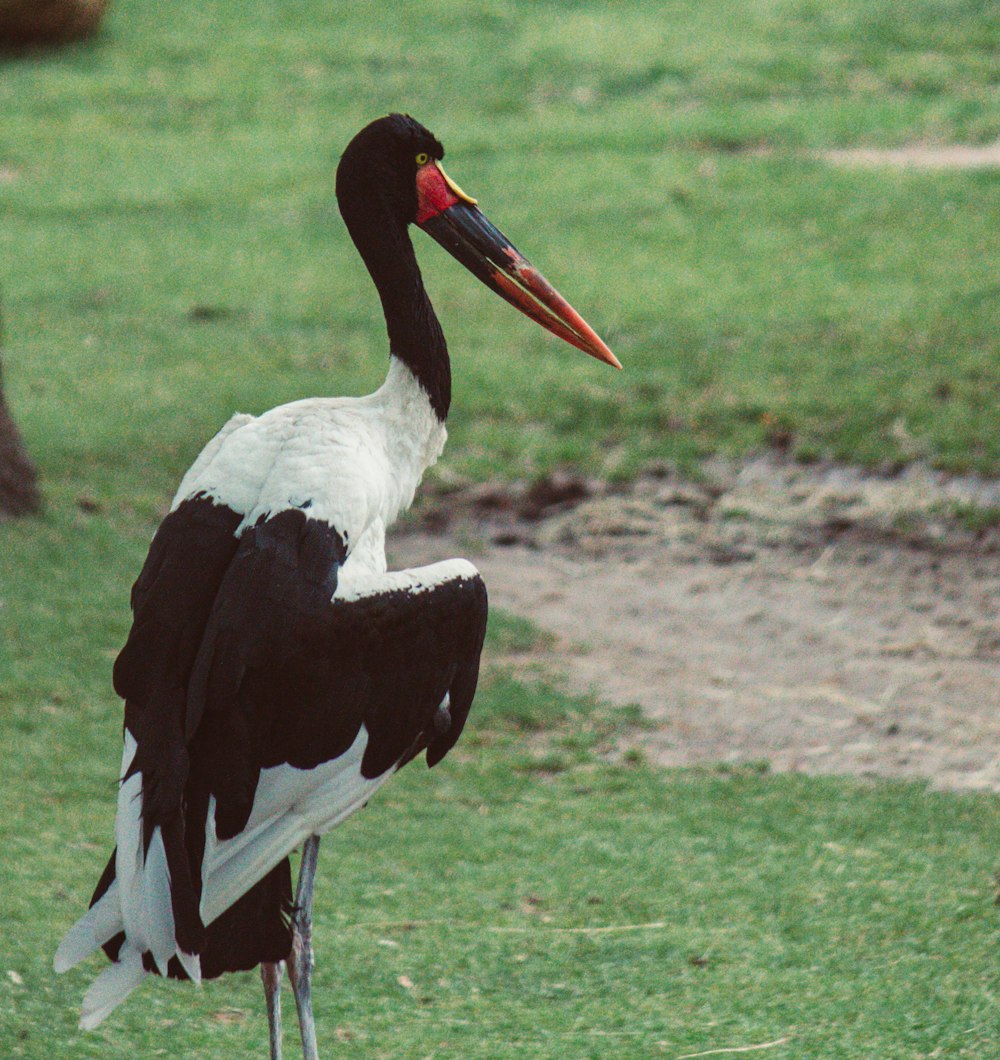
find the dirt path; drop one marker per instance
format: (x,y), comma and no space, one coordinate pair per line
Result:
(920,156)
(818,619)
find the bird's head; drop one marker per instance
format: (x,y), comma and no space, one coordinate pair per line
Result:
(398,161)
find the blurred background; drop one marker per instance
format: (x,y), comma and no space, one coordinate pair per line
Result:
(781,215)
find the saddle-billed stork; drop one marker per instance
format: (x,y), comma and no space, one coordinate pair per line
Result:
(276,674)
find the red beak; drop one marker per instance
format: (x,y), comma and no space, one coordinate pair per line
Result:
(448,215)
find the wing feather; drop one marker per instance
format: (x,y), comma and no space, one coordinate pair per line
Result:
(262,706)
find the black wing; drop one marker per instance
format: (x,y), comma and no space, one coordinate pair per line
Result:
(239,660)
(403,662)
(389,659)
(204,603)
(171,603)
(273,598)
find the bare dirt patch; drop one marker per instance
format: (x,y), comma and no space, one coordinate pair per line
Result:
(818,619)
(920,156)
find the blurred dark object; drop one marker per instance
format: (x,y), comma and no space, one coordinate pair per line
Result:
(19,493)
(37,23)
(18,479)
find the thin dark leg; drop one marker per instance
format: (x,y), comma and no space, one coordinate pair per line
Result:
(300,960)
(270,975)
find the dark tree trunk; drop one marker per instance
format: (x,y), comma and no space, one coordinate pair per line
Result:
(18,479)
(40,23)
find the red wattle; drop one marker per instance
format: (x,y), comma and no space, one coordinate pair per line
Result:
(433,194)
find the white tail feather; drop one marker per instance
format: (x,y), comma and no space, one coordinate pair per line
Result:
(138,902)
(93,929)
(128,860)
(289,806)
(111,988)
(191,963)
(158,913)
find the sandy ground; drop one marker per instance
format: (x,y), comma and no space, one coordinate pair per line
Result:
(818,619)
(920,156)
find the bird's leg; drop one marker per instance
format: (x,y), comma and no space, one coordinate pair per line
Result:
(300,960)
(270,974)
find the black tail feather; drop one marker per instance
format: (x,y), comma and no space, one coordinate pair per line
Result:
(255,928)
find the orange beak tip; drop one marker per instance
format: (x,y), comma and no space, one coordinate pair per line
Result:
(449,216)
(598,349)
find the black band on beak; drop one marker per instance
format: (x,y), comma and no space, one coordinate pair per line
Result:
(468,235)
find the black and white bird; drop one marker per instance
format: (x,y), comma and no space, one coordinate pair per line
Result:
(276,673)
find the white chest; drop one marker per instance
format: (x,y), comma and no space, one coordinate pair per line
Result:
(351,462)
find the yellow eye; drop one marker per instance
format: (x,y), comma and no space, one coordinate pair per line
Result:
(423,158)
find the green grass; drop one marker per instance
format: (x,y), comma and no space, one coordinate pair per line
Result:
(174,166)
(850,918)
(974,517)
(170,251)
(730,908)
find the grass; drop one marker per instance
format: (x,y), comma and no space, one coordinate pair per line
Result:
(975,517)
(848,918)
(170,251)
(170,236)
(526,901)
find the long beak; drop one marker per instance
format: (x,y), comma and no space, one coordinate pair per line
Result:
(467,234)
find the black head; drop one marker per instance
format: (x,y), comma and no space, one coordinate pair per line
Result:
(381,163)
(389,177)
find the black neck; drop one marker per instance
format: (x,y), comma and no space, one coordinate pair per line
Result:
(415,335)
